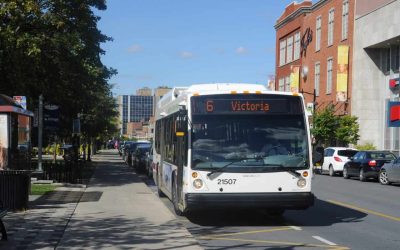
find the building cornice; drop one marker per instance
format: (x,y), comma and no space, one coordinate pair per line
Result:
(298,12)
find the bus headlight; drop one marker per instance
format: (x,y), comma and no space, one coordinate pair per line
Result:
(197,183)
(301,183)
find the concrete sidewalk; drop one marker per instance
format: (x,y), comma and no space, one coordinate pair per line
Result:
(118,211)
(115,211)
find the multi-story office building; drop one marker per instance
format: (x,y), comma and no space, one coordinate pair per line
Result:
(134,108)
(144,91)
(138,108)
(313,52)
(375,95)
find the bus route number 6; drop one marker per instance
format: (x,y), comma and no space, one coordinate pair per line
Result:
(210,106)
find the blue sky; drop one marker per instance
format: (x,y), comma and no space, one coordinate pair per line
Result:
(181,42)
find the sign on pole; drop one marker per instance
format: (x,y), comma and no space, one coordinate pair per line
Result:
(21,100)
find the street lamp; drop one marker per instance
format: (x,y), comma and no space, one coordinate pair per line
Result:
(314,94)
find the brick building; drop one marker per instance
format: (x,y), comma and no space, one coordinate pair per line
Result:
(314,52)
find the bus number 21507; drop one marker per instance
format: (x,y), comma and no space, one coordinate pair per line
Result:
(226,181)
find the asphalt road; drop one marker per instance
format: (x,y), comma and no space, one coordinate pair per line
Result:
(348,214)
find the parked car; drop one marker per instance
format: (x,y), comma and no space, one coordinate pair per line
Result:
(149,163)
(125,150)
(132,151)
(390,172)
(139,156)
(335,158)
(367,164)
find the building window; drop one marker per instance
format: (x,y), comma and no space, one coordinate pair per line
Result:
(287,84)
(345,19)
(318,35)
(329,76)
(289,51)
(281,84)
(316,78)
(396,58)
(282,55)
(386,61)
(331,23)
(296,54)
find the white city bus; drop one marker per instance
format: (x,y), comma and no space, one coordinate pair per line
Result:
(225,146)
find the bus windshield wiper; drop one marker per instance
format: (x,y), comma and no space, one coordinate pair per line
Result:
(216,170)
(280,167)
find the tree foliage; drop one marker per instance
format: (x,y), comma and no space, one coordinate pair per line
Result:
(324,125)
(330,129)
(52,47)
(347,131)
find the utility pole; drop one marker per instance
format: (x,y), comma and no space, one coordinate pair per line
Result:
(40,133)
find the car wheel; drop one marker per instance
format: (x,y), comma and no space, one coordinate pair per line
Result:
(331,172)
(345,173)
(175,200)
(383,178)
(362,175)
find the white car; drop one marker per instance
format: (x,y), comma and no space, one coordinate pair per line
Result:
(335,158)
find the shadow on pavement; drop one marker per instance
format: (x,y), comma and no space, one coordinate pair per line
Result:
(125,233)
(321,214)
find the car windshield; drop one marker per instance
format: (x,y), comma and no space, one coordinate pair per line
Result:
(347,153)
(243,143)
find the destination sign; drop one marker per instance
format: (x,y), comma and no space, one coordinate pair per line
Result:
(246,104)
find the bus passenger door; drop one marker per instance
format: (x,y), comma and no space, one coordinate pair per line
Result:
(181,149)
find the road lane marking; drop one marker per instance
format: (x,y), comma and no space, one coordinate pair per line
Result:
(247,232)
(299,244)
(295,228)
(367,211)
(324,240)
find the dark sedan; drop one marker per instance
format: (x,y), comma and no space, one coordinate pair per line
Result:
(367,164)
(139,157)
(390,172)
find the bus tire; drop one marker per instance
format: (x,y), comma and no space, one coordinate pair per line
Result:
(175,199)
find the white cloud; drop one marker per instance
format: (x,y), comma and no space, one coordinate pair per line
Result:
(241,50)
(136,48)
(186,54)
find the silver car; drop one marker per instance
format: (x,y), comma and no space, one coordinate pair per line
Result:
(390,172)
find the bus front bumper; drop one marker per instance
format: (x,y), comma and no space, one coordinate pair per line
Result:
(196,201)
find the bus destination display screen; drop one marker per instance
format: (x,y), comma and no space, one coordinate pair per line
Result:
(246,104)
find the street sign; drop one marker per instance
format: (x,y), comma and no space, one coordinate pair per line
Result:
(21,100)
(51,118)
(76,126)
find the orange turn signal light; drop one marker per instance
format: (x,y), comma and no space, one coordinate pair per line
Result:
(194,174)
(305,174)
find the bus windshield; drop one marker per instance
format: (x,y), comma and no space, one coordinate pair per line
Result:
(249,143)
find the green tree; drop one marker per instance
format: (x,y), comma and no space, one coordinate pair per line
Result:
(330,129)
(324,125)
(347,131)
(52,47)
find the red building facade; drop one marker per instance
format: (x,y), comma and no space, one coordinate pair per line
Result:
(314,52)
